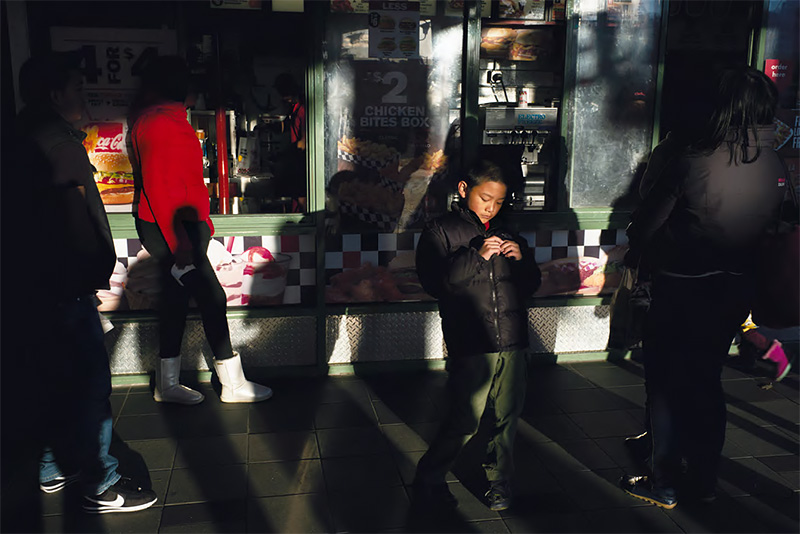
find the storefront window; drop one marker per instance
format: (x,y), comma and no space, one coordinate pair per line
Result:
(248,62)
(781,63)
(392,102)
(390,120)
(610,112)
(521,83)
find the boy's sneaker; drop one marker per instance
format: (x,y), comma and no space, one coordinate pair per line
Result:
(124,496)
(642,488)
(433,495)
(499,496)
(775,354)
(58,483)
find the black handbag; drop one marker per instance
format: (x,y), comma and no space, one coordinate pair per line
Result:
(628,309)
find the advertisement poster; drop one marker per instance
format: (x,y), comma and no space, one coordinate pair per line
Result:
(394,30)
(388,151)
(238,4)
(426,7)
(787,132)
(522,9)
(111,60)
(780,72)
(455,8)
(257,275)
(350,6)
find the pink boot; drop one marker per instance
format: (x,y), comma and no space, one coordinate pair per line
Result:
(775,354)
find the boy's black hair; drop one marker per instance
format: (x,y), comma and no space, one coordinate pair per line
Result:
(42,74)
(167,77)
(745,99)
(484,171)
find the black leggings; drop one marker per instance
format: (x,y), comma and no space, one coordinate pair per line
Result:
(201,284)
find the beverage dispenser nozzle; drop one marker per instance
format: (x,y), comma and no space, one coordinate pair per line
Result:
(532,135)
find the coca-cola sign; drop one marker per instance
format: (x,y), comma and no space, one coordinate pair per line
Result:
(104,137)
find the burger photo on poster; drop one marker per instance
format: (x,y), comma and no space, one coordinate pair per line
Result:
(387,45)
(386,23)
(497,40)
(408,44)
(114,177)
(526,46)
(104,143)
(407,25)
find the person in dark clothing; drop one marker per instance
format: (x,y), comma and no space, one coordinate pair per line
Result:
(291,164)
(71,361)
(175,227)
(698,229)
(481,273)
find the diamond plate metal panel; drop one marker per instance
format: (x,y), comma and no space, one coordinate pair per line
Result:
(568,329)
(283,341)
(262,342)
(384,337)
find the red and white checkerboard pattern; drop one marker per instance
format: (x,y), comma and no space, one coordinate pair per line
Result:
(301,279)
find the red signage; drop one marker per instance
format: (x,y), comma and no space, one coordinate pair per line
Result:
(780,72)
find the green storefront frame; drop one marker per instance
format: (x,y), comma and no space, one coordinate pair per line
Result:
(313,223)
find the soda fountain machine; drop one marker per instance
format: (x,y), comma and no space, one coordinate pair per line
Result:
(522,132)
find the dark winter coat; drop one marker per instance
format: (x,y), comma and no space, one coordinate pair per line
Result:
(706,213)
(481,303)
(65,217)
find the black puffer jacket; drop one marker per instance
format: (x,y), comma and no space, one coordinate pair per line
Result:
(482,303)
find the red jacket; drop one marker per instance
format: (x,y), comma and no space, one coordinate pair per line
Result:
(169,155)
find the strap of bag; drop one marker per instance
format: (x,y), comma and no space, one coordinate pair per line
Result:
(146,198)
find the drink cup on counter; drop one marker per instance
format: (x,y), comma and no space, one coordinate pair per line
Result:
(264,282)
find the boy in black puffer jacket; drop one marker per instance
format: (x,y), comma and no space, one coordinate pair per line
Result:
(481,273)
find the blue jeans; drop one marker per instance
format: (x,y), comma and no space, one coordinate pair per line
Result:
(77,381)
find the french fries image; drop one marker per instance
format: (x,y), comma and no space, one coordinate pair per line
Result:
(366,149)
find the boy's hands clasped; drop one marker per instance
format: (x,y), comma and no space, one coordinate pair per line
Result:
(494,245)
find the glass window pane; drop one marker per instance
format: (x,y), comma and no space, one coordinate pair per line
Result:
(610,113)
(388,121)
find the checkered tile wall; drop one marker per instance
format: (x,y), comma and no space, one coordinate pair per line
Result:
(350,251)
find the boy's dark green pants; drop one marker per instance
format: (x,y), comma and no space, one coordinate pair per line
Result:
(473,380)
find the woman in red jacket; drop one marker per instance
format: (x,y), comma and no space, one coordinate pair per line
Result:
(175,227)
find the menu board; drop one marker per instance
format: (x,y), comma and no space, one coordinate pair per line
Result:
(426,7)
(394,30)
(111,60)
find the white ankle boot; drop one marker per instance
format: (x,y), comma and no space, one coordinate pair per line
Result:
(235,387)
(168,387)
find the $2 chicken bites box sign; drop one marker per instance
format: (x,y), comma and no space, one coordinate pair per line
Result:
(105,144)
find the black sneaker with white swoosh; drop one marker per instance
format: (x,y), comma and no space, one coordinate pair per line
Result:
(58,483)
(124,496)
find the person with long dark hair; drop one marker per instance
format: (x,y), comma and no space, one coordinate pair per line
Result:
(698,229)
(174,224)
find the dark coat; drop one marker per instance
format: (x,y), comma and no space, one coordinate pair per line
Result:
(481,303)
(707,213)
(70,248)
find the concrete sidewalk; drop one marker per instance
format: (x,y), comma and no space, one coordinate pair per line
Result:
(337,454)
